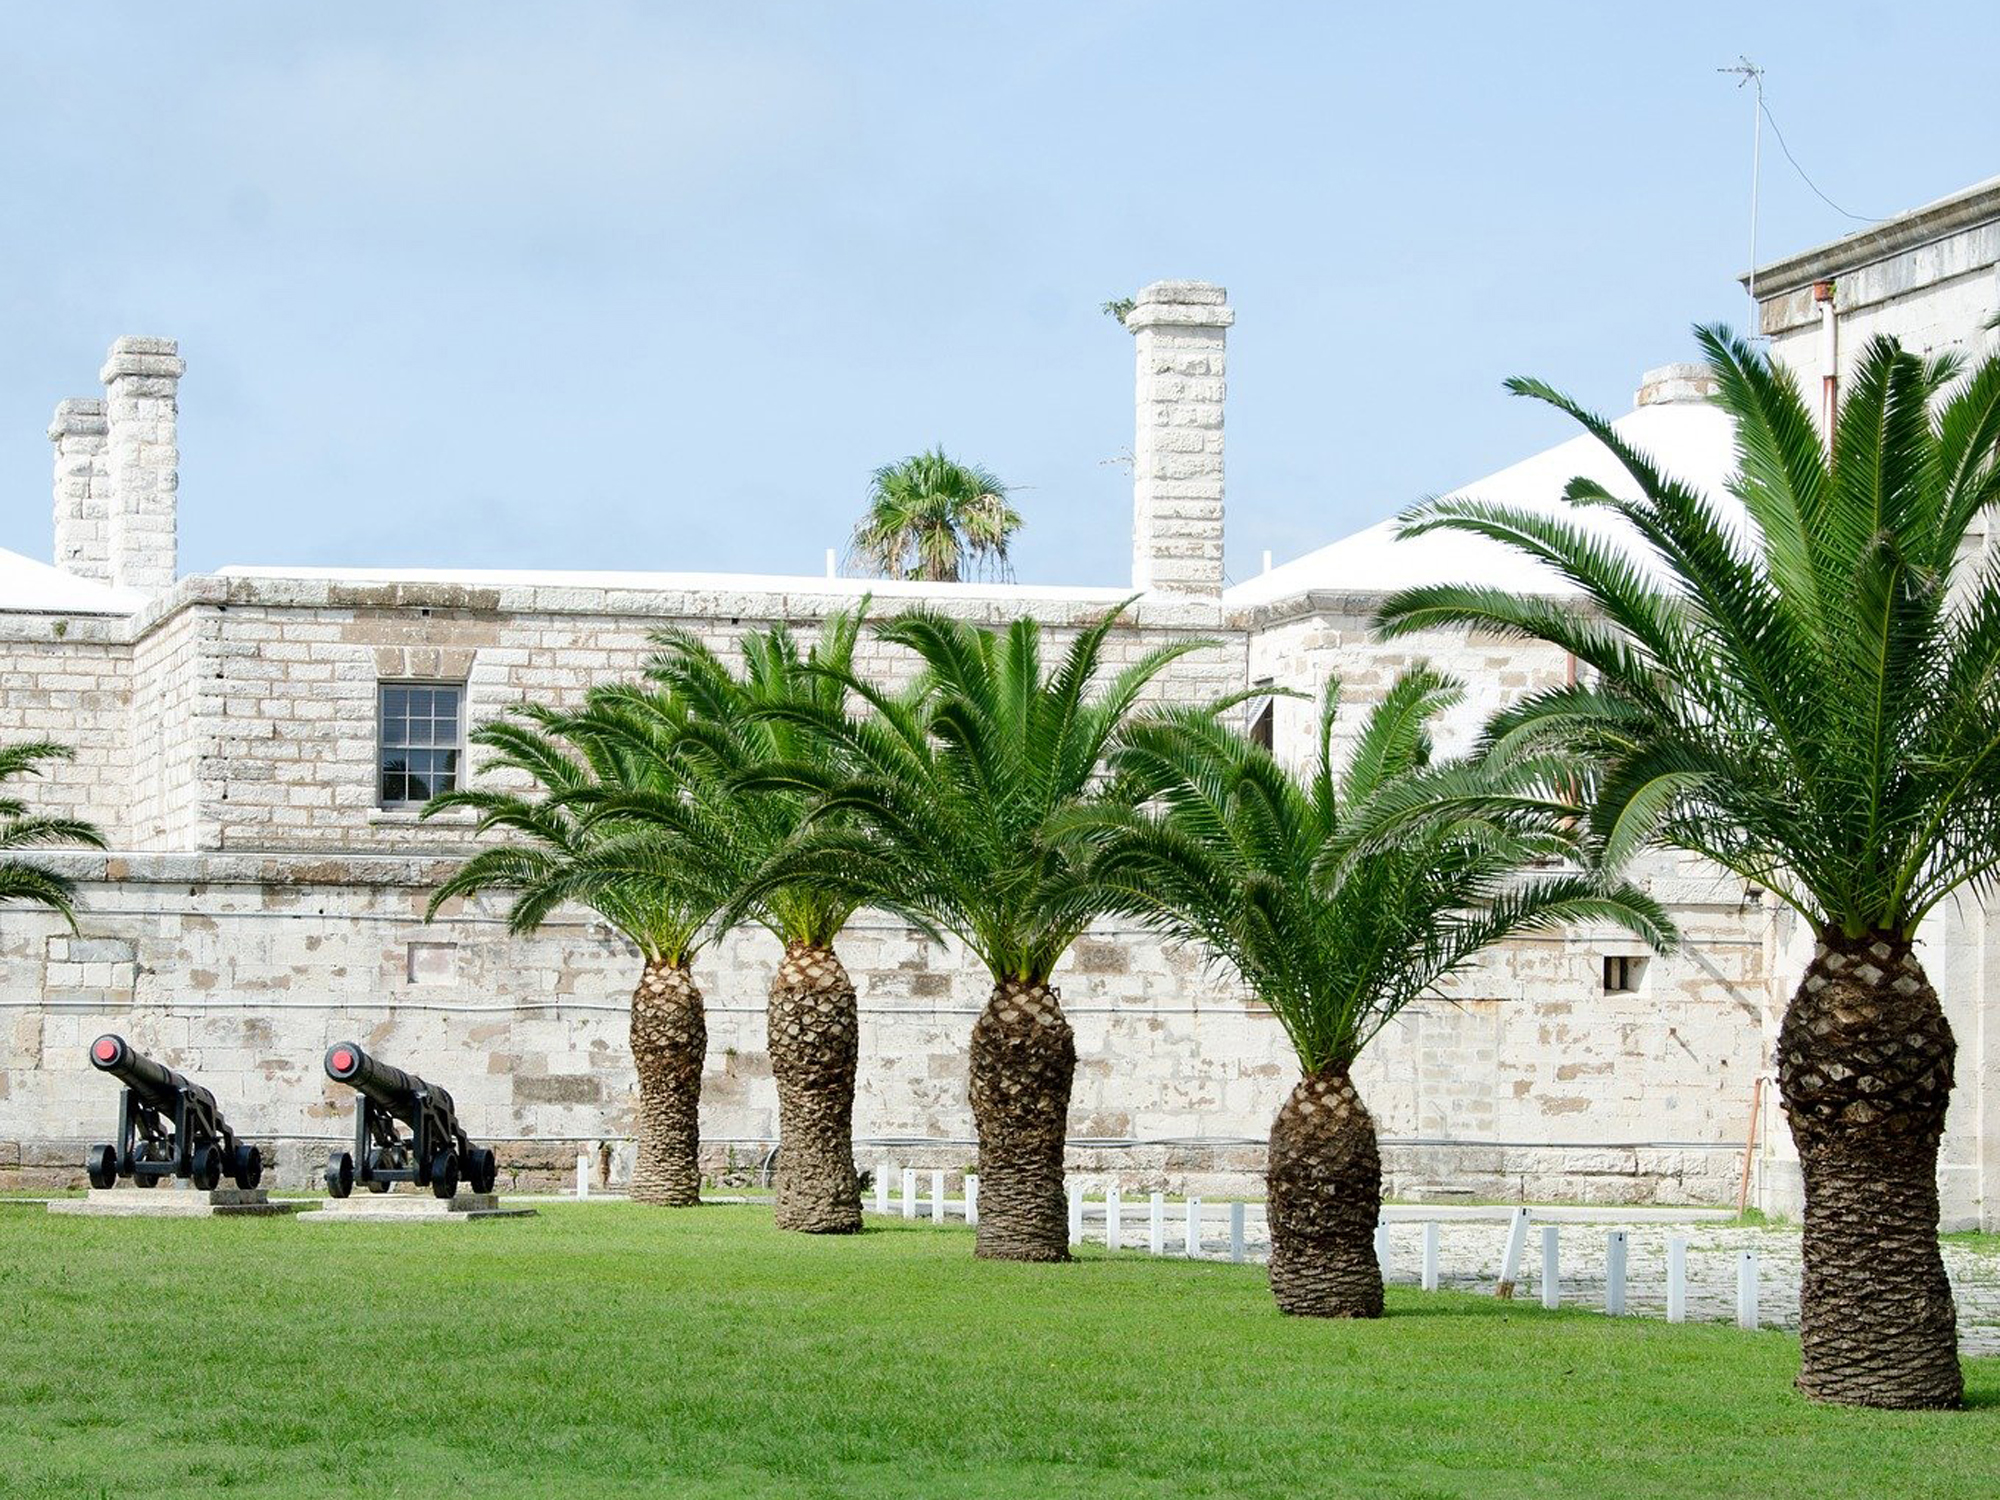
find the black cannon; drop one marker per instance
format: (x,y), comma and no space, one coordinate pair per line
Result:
(167,1127)
(436,1152)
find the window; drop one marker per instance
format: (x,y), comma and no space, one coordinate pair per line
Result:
(1622,974)
(419,741)
(1263,716)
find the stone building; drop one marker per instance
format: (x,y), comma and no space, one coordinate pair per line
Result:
(255,742)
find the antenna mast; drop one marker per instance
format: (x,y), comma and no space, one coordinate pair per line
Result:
(1749,73)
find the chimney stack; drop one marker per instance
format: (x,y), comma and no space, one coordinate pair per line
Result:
(142,460)
(1676,385)
(83,529)
(1178,328)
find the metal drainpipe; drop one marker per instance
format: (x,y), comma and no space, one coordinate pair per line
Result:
(1829,349)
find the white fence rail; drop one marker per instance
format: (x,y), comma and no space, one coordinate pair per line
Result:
(1100,1212)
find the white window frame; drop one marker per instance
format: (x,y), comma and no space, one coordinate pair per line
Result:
(455,746)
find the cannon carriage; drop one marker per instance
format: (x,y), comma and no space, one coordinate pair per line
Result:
(405,1130)
(167,1127)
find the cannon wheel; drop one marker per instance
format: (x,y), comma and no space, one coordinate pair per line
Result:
(444,1175)
(246,1168)
(339,1174)
(485,1170)
(387,1159)
(102,1166)
(205,1170)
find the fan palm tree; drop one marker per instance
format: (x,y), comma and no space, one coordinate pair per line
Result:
(814,1026)
(622,740)
(37,885)
(945,804)
(1340,901)
(1809,701)
(933,518)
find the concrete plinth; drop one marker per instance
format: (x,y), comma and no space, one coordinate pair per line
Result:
(412,1208)
(175,1203)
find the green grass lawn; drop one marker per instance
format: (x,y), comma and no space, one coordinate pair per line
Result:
(609,1350)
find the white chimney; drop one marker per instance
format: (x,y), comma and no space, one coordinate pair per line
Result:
(142,458)
(1675,385)
(1178,328)
(83,526)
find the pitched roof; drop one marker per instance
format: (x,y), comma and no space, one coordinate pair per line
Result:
(1692,441)
(30,587)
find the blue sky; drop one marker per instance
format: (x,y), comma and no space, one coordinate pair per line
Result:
(657,285)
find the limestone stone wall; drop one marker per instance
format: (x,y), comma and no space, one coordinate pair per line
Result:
(177,688)
(242,969)
(1300,645)
(259,906)
(70,681)
(253,701)
(1929,278)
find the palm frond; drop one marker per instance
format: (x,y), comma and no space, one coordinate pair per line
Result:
(20,828)
(1343,897)
(1810,696)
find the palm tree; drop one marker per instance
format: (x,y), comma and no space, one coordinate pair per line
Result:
(814,1026)
(931,517)
(34,884)
(1809,700)
(1340,898)
(952,795)
(622,740)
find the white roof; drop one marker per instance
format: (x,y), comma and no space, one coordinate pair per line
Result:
(30,587)
(737,583)
(1692,441)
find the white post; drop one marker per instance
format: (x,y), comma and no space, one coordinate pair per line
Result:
(1614,1273)
(1076,1213)
(1193,1246)
(1382,1248)
(883,1171)
(972,1199)
(1552,1282)
(1746,1289)
(1431,1256)
(1236,1230)
(1114,1227)
(937,1197)
(1677,1278)
(909,1192)
(1510,1263)
(582,1174)
(1156,1240)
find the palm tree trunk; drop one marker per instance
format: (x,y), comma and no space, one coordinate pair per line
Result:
(1324,1199)
(815,1038)
(1865,1069)
(1023,1061)
(669,1037)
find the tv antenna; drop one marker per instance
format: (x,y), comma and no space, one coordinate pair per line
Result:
(1749,75)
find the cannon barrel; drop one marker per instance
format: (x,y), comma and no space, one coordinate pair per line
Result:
(390,1087)
(154,1082)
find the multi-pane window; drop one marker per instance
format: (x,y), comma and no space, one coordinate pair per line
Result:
(419,741)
